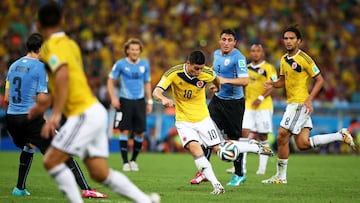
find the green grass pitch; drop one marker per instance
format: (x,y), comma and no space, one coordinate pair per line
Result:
(311,178)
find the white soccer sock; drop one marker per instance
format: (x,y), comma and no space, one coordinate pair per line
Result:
(263,159)
(246,147)
(323,139)
(119,183)
(66,182)
(282,168)
(244,163)
(205,167)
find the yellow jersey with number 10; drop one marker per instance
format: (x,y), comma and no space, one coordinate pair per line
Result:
(58,50)
(188,92)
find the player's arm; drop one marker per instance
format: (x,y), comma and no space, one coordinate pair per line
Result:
(61,89)
(277,84)
(43,102)
(241,81)
(319,81)
(261,97)
(111,90)
(149,101)
(158,95)
(6,95)
(216,85)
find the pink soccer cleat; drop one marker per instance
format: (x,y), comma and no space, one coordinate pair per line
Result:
(199,177)
(92,194)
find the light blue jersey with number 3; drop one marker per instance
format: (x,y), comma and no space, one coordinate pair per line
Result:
(25,79)
(232,65)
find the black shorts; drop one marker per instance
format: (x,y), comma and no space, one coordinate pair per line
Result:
(23,131)
(228,116)
(133,115)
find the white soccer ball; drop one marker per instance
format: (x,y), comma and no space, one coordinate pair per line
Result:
(228,151)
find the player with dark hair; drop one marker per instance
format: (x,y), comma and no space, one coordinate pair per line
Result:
(228,105)
(131,106)
(188,82)
(296,68)
(26,86)
(257,122)
(84,132)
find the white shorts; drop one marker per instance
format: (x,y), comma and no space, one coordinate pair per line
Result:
(295,118)
(84,135)
(204,132)
(259,121)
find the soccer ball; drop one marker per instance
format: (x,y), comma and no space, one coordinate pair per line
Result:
(228,151)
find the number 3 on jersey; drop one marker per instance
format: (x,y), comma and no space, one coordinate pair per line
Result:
(17,83)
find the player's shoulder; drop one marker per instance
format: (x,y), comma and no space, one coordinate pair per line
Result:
(268,65)
(305,57)
(144,60)
(284,56)
(208,70)
(174,70)
(217,52)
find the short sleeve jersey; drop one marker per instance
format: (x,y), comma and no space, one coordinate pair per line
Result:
(188,92)
(232,65)
(132,77)
(258,75)
(297,71)
(25,79)
(56,51)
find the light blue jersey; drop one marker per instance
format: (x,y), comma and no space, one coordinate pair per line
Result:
(232,65)
(26,78)
(132,77)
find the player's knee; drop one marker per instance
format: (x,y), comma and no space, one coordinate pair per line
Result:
(283,137)
(98,176)
(47,163)
(303,144)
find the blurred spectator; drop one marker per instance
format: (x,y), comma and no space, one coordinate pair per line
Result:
(101,28)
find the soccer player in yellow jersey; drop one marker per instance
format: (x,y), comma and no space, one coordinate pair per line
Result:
(258,113)
(296,68)
(193,122)
(84,132)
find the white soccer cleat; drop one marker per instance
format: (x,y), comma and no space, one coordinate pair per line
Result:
(230,170)
(126,167)
(264,150)
(274,180)
(260,172)
(154,197)
(347,138)
(218,189)
(134,166)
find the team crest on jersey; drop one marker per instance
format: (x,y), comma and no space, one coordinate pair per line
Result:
(294,65)
(261,71)
(184,139)
(227,62)
(142,69)
(200,84)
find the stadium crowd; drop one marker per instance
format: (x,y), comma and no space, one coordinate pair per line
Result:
(171,29)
